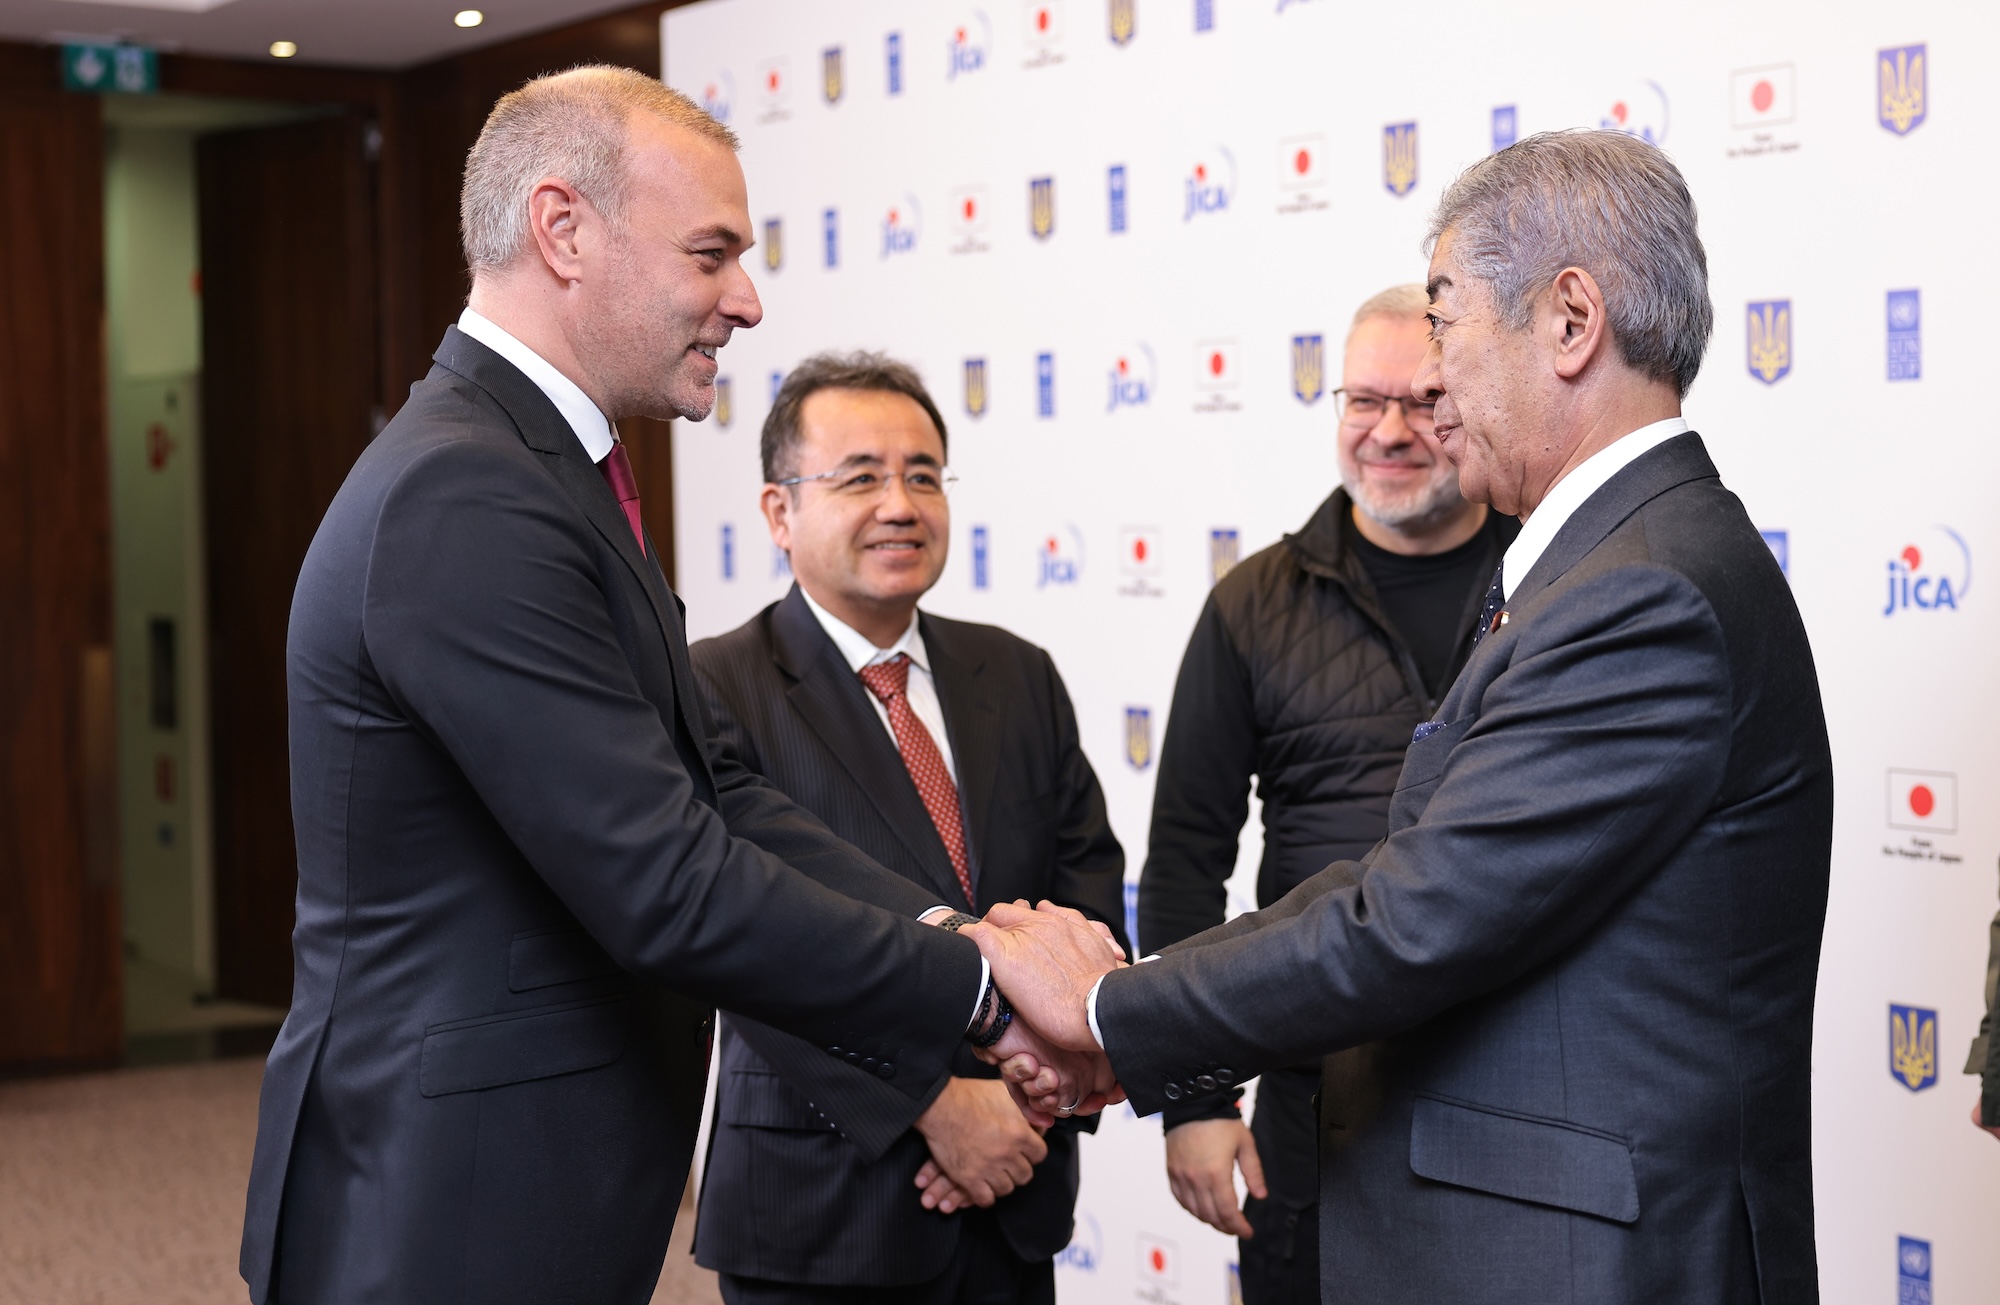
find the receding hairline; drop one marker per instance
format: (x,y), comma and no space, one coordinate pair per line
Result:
(888,390)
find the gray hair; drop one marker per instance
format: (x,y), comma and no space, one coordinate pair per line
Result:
(571,125)
(1603,201)
(1398,301)
(779,445)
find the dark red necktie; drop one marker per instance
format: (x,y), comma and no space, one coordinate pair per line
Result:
(890,681)
(617,469)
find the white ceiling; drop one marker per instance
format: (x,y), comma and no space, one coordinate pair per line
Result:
(355,33)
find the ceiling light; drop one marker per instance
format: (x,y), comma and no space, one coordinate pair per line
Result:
(468,18)
(283,49)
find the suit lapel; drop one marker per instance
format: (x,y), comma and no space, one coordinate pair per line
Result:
(972,722)
(546,431)
(831,699)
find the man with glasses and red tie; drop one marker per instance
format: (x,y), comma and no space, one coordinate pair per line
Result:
(1308,669)
(949,753)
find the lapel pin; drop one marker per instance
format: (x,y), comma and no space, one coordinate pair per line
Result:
(1500,618)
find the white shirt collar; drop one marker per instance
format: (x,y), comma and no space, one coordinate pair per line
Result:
(858,649)
(1573,491)
(583,416)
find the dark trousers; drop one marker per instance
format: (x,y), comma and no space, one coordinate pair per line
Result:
(1280,1265)
(983,1271)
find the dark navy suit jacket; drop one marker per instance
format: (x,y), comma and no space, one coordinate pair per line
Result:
(1589,943)
(809,1173)
(523,886)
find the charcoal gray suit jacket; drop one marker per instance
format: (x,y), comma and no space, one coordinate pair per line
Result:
(811,1161)
(524,885)
(1588,944)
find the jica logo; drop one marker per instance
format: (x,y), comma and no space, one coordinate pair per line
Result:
(1934,573)
(717,94)
(901,227)
(1131,378)
(969,42)
(1085,1252)
(1210,183)
(1061,557)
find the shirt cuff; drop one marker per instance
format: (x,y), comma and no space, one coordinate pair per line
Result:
(1090,1003)
(979,1003)
(924,916)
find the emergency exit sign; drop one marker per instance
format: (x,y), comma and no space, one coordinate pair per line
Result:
(110,69)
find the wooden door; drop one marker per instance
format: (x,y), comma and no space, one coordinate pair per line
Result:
(288,389)
(61,972)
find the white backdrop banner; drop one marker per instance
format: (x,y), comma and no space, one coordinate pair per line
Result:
(1122,240)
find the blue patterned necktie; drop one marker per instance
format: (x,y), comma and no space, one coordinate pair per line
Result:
(1496,598)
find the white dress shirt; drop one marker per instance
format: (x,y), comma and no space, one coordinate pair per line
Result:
(594,432)
(1564,498)
(860,652)
(1573,491)
(583,416)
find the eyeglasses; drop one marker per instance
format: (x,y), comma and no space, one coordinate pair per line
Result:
(1365,411)
(860,484)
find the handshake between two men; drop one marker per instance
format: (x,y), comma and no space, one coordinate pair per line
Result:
(1047,960)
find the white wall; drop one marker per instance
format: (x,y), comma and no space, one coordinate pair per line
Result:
(1827,209)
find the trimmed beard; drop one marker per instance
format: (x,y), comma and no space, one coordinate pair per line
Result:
(1435,505)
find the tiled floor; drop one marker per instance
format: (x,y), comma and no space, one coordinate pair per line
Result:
(127,1189)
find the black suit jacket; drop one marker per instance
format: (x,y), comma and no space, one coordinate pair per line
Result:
(521,886)
(1589,943)
(808,1177)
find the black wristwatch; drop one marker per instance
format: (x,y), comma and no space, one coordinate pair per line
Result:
(956,920)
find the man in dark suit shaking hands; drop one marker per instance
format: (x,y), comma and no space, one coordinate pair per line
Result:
(524,881)
(948,752)
(1589,943)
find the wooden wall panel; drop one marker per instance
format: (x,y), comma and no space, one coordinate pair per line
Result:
(288,384)
(60,964)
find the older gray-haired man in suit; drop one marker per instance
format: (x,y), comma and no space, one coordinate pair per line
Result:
(1588,945)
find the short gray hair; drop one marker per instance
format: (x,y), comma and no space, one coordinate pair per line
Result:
(1603,201)
(1398,301)
(861,370)
(571,125)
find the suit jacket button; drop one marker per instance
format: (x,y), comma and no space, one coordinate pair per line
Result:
(886,1069)
(1225,1076)
(836,1051)
(1206,1083)
(854,1058)
(1172,1092)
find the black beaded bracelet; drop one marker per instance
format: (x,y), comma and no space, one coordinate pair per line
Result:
(1003,1015)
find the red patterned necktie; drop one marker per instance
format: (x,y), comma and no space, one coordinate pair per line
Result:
(890,682)
(617,469)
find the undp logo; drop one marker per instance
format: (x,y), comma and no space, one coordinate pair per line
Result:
(1933,573)
(971,42)
(902,227)
(1133,378)
(1060,557)
(1210,184)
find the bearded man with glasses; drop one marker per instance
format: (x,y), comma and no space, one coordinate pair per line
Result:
(949,753)
(1308,669)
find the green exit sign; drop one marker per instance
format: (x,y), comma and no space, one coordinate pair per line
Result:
(110,69)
